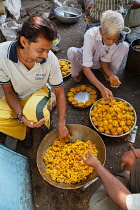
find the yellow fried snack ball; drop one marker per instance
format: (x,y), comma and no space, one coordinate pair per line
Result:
(75,102)
(101,129)
(70,94)
(81,104)
(88,103)
(70,99)
(88,89)
(83,87)
(78,89)
(73,90)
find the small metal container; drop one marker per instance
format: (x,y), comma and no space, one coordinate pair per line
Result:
(67,15)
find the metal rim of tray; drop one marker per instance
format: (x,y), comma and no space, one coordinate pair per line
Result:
(119,99)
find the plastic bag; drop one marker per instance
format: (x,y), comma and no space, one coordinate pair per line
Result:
(13,6)
(9,30)
(55,5)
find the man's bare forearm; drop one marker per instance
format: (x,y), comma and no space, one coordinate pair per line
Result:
(91,77)
(114,188)
(12,98)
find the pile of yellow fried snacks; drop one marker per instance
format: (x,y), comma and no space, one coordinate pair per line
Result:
(64,161)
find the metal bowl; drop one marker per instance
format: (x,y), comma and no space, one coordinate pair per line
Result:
(67,14)
(117,99)
(126,30)
(78,132)
(134,45)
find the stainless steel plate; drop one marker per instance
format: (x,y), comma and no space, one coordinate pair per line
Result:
(83,96)
(78,132)
(117,99)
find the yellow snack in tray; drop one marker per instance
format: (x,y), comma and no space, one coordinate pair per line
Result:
(81,104)
(70,94)
(113,118)
(64,160)
(75,102)
(88,89)
(65,67)
(88,103)
(73,90)
(70,99)
(83,88)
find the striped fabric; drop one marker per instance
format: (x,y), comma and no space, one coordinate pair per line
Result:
(99,6)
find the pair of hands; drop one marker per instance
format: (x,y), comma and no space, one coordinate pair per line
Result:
(62,129)
(128,159)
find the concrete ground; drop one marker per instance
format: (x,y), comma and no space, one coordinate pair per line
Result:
(47,196)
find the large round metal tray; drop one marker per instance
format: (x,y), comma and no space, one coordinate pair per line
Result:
(69,73)
(78,132)
(118,99)
(83,96)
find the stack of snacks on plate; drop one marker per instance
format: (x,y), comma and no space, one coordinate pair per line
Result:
(82,88)
(65,67)
(115,118)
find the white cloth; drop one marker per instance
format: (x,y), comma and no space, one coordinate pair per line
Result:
(99,6)
(133,201)
(13,6)
(24,81)
(94,50)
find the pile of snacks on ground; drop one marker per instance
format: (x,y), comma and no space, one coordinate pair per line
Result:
(83,88)
(65,67)
(64,160)
(112,118)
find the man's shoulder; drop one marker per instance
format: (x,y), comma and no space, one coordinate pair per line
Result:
(93,31)
(5,44)
(52,57)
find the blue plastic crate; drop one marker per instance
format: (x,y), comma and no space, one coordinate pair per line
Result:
(15,181)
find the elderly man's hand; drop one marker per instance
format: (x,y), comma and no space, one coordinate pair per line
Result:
(91,160)
(106,94)
(114,81)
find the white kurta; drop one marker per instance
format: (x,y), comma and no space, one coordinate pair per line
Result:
(94,50)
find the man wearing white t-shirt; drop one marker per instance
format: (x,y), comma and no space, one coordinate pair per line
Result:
(26,66)
(122,191)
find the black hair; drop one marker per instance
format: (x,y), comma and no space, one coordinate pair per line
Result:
(36,26)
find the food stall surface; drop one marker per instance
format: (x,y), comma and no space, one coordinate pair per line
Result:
(47,196)
(15,181)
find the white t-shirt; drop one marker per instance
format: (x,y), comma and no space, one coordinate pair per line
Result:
(25,81)
(133,201)
(94,49)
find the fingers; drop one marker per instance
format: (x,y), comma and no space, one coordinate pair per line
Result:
(109,96)
(115,86)
(84,158)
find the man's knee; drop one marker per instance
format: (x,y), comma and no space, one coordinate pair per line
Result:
(125,48)
(71,53)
